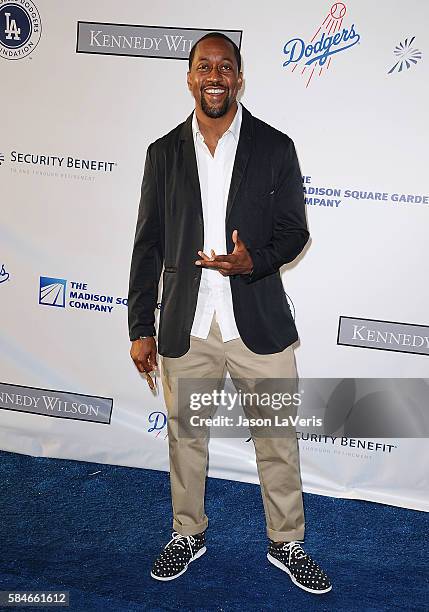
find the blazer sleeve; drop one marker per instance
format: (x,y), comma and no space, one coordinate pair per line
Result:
(290,232)
(147,259)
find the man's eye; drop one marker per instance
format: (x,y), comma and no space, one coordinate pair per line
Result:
(202,67)
(226,67)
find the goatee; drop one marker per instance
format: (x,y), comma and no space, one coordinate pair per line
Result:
(214,112)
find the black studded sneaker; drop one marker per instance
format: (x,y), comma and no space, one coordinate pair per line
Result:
(177,555)
(303,571)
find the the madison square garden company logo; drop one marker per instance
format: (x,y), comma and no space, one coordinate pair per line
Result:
(52,291)
(20,28)
(78,295)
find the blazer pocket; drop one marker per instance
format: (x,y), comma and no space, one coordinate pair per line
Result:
(265,194)
(170,269)
(264,197)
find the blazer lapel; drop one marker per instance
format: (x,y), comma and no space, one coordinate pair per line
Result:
(241,158)
(240,163)
(190,166)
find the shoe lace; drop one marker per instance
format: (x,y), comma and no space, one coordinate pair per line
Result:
(294,548)
(180,541)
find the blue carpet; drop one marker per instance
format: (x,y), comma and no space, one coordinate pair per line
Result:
(96,536)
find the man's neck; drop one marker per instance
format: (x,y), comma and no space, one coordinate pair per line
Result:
(213,129)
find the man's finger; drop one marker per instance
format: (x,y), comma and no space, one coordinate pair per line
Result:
(229,258)
(203,255)
(218,260)
(238,243)
(153,358)
(140,366)
(217,265)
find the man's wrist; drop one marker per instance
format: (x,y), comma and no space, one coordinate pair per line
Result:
(144,337)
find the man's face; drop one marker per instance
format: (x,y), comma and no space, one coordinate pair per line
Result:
(214,79)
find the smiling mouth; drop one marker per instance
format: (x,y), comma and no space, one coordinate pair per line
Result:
(214,91)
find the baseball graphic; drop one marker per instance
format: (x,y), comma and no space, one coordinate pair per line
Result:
(338,10)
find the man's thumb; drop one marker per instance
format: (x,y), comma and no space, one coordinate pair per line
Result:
(236,240)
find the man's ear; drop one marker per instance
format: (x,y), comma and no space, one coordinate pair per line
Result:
(188,79)
(240,80)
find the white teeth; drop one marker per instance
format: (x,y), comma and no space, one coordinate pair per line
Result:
(215,91)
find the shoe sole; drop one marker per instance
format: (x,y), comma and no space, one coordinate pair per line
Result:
(165,578)
(283,567)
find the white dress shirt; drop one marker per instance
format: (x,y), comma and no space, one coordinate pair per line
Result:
(215,178)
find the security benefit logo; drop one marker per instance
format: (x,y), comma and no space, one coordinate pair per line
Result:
(20,28)
(77,295)
(331,37)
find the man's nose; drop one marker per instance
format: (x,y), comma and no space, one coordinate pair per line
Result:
(214,72)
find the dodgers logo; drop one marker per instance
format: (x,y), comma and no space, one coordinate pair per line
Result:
(329,39)
(20,28)
(52,291)
(158,420)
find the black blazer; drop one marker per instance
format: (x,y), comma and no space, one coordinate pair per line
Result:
(265,204)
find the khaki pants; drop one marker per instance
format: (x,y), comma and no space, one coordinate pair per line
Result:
(277,457)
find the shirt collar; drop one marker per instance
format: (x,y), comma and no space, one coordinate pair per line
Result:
(234,128)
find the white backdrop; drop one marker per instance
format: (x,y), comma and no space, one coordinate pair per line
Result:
(355,126)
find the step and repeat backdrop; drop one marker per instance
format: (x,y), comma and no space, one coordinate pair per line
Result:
(86,87)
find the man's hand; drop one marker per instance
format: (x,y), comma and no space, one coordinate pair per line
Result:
(143,353)
(238,262)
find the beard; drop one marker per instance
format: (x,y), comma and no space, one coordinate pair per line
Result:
(214,112)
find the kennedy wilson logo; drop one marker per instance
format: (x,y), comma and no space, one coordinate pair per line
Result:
(384,335)
(60,404)
(20,28)
(141,40)
(314,56)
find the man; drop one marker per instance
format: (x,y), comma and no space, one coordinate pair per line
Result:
(221,182)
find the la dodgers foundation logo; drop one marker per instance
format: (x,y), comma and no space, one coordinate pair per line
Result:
(20,28)
(314,57)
